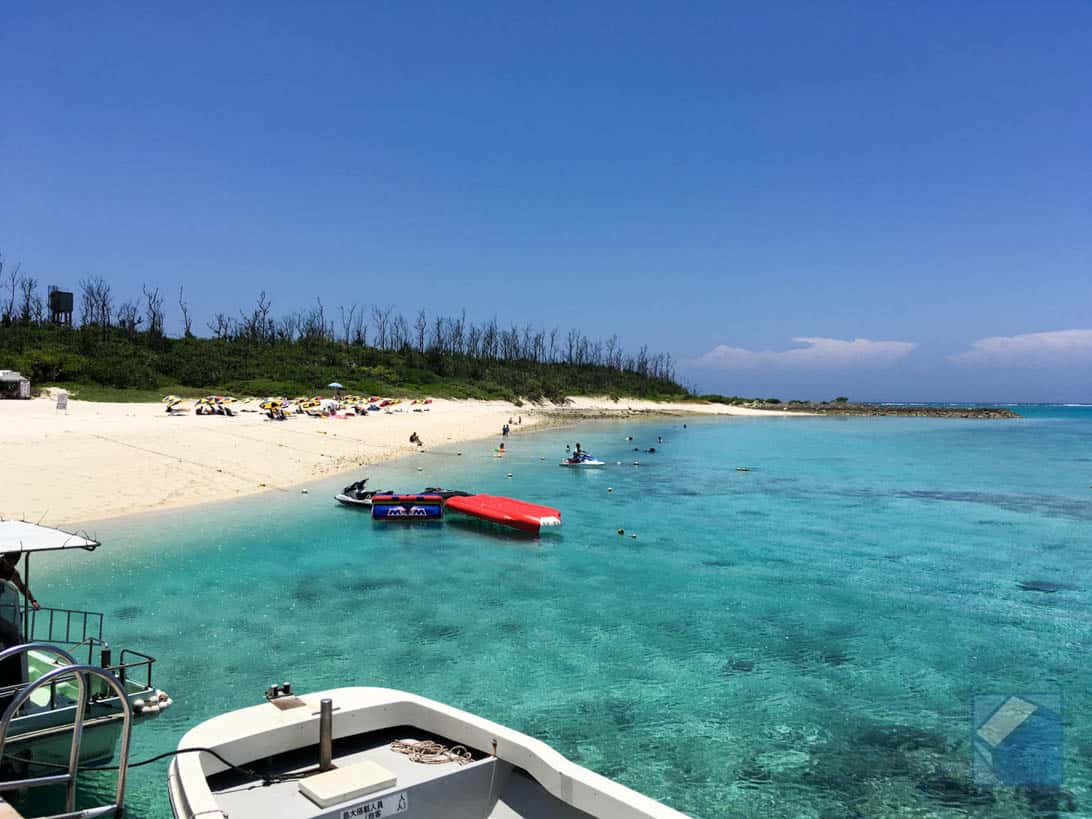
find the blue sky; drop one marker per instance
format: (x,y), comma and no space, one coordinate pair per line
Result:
(896,182)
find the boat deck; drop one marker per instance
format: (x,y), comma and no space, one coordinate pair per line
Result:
(485,788)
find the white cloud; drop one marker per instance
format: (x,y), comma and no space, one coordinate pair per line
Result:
(1029,349)
(818,354)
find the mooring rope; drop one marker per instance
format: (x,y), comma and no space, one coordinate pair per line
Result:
(428,752)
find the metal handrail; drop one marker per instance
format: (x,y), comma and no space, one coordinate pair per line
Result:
(145,660)
(68,779)
(120,670)
(96,619)
(26,648)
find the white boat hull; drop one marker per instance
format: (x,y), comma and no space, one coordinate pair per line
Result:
(512,775)
(348,501)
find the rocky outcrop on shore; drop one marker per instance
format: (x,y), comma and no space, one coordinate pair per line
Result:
(905,411)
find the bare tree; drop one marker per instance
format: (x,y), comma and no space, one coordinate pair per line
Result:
(539,352)
(87,303)
(458,329)
(187,319)
(313,323)
(421,326)
(572,342)
(612,351)
(7,309)
(98,302)
(256,326)
(30,303)
(129,318)
(221,326)
(347,320)
(381,317)
(360,333)
(153,311)
(320,314)
(288,327)
(473,341)
(400,333)
(489,339)
(439,339)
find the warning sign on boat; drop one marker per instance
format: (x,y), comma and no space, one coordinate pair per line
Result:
(378,808)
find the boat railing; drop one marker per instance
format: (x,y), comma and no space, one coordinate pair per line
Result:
(130,662)
(83,674)
(67,626)
(131,666)
(128,665)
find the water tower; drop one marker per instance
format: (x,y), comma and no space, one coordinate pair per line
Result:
(60,306)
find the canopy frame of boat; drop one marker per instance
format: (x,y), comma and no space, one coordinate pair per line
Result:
(24,538)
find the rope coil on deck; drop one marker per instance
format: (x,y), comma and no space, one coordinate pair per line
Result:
(428,752)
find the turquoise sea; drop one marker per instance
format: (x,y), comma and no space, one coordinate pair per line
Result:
(801,640)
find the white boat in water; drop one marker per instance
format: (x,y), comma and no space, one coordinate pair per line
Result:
(37,642)
(357,494)
(377,752)
(583,461)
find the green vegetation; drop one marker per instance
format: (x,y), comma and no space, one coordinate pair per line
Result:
(120,352)
(716,398)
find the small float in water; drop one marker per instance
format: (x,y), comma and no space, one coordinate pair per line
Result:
(515,514)
(407,507)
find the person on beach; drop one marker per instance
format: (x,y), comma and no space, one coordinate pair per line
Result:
(414,439)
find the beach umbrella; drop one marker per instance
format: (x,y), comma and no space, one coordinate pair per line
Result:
(334,385)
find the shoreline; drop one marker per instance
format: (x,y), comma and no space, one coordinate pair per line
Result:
(102,461)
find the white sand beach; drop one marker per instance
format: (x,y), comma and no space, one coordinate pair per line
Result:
(103,460)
